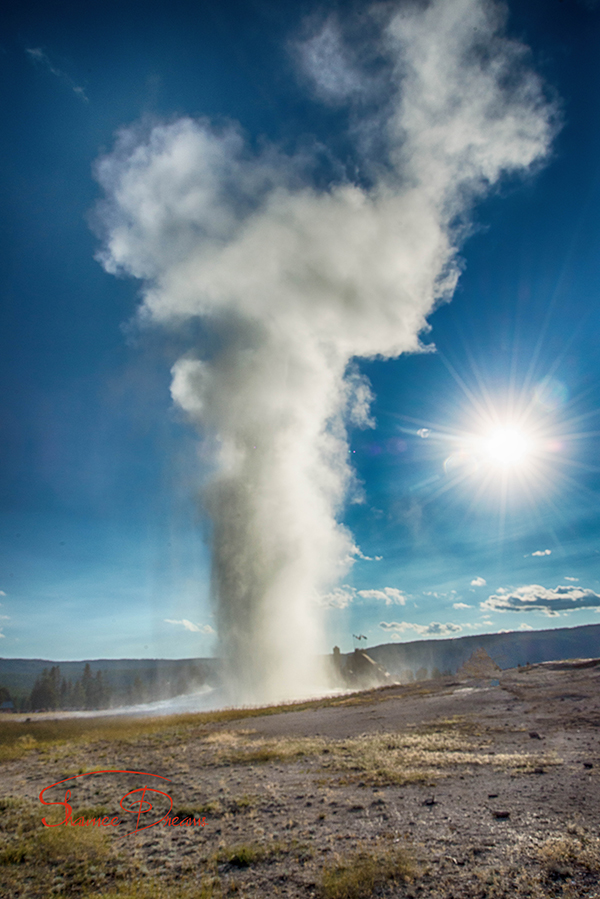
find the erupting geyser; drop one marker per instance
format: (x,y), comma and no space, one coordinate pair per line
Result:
(295,281)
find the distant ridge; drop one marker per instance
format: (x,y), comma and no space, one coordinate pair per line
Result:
(417,659)
(507,650)
(161,676)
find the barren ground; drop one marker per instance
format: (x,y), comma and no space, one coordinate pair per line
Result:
(439,789)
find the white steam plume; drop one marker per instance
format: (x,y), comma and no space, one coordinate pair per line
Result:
(295,281)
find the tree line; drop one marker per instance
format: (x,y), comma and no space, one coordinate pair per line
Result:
(51,691)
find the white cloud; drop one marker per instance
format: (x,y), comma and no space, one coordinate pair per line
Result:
(341,597)
(190,626)
(571,578)
(37,55)
(327,62)
(389,596)
(525,627)
(338,598)
(478,582)
(434,629)
(542,552)
(360,555)
(461,605)
(2,593)
(535,598)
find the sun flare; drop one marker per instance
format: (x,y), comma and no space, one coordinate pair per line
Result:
(507,446)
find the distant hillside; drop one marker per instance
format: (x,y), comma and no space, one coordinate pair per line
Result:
(425,658)
(153,678)
(133,680)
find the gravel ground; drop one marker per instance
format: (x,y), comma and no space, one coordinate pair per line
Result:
(491,790)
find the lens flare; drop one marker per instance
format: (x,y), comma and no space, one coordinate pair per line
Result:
(507,446)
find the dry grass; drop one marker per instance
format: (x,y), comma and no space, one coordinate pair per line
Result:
(36,860)
(359,874)
(380,758)
(244,855)
(562,856)
(208,888)
(18,737)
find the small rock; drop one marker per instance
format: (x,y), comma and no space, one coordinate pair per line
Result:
(588,765)
(430,801)
(492,795)
(534,735)
(501,814)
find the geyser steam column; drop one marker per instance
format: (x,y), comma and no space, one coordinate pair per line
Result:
(295,281)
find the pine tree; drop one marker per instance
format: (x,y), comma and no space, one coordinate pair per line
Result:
(5,695)
(87,683)
(45,693)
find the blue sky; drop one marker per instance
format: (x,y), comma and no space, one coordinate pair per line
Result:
(103,537)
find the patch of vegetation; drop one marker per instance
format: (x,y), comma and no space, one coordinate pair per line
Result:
(41,861)
(381,758)
(243,855)
(233,747)
(562,857)
(359,874)
(19,737)
(213,808)
(208,888)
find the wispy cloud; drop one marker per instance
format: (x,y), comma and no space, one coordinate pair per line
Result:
(461,605)
(190,626)
(571,578)
(360,555)
(389,595)
(541,552)
(434,629)
(326,61)
(338,598)
(342,597)
(37,56)
(478,582)
(535,598)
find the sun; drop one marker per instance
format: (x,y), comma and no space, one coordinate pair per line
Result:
(507,446)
